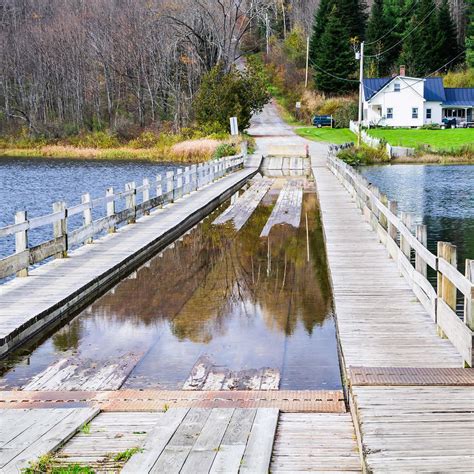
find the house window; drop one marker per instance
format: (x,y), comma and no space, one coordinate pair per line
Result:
(428,113)
(396,87)
(414,113)
(389,113)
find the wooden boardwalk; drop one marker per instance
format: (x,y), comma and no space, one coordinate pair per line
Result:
(25,435)
(426,427)
(62,286)
(315,442)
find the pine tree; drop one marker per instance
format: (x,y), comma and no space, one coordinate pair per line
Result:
(378,37)
(446,46)
(419,47)
(470,35)
(335,57)
(353,15)
(319,25)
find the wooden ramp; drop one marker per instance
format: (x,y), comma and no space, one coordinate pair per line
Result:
(315,442)
(26,435)
(219,440)
(240,212)
(287,209)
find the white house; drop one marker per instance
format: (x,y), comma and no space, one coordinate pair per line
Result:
(402,101)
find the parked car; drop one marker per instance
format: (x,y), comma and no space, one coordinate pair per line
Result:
(449,123)
(323,121)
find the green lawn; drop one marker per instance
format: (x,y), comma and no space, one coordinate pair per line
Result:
(331,135)
(438,139)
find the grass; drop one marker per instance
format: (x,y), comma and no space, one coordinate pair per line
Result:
(449,139)
(124,456)
(45,465)
(337,136)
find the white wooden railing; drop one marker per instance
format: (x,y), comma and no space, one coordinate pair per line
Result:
(174,186)
(409,250)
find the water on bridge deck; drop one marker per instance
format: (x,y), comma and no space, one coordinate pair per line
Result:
(216,310)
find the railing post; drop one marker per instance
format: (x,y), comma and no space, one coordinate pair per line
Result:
(131,201)
(179,183)
(170,185)
(244,149)
(60,228)
(21,240)
(159,187)
(392,229)
(421,236)
(187,180)
(406,219)
(446,290)
(87,213)
(146,194)
(469,299)
(110,208)
(193,177)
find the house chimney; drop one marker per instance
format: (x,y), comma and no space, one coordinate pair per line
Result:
(402,71)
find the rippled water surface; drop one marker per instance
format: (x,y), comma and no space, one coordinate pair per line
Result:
(230,303)
(33,184)
(441,196)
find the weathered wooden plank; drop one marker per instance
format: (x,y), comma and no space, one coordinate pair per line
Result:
(40,252)
(258,452)
(14,263)
(156,442)
(202,454)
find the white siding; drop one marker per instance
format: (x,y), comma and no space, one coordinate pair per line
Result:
(410,96)
(436,112)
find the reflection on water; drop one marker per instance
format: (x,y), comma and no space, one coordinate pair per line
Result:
(240,301)
(441,196)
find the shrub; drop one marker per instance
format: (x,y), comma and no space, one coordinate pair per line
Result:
(363,155)
(224,94)
(459,78)
(94,140)
(225,149)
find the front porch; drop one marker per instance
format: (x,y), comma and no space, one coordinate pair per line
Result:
(462,115)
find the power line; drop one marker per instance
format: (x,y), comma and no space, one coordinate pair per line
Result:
(403,38)
(334,76)
(396,25)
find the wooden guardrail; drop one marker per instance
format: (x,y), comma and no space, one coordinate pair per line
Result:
(174,185)
(409,250)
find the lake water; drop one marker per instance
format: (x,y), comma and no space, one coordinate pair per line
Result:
(33,184)
(440,196)
(230,303)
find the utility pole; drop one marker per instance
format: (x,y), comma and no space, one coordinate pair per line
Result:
(361,90)
(307,63)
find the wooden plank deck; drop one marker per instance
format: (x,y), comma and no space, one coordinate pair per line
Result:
(315,442)
(28,304)
(26,435)
(240,212)
(108,435)
(287,209)
(208,440)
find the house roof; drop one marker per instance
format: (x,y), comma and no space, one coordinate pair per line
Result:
(458,96)
(434,91)
(373,85)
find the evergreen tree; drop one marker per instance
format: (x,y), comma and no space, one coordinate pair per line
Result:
(419,47)
(470,36)
(353,15)
(446,45)
(378,37)
(319,24)
(335,57)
